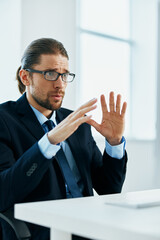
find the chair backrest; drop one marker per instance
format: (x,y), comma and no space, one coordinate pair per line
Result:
(20,228)
(0,232)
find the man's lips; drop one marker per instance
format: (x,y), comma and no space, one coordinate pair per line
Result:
(57,96)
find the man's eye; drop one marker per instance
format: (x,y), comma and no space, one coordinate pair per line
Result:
(50,73)
(65,75)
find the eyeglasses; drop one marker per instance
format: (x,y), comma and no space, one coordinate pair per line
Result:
(53,75)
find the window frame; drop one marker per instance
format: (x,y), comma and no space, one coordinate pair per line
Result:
(133,131)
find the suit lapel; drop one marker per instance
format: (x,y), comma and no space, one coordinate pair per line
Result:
(28,117)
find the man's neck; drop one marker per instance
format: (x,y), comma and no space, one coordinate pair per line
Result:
(46,112)
(41,118)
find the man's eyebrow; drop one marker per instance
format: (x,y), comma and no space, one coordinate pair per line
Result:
(55,69)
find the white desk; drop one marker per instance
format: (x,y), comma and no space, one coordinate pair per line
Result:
(91,217)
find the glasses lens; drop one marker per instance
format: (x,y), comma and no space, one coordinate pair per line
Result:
(65,77)
(51,75)
(68,77)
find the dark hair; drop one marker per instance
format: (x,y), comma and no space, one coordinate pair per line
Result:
(33,52)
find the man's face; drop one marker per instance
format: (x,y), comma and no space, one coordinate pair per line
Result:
(43,94)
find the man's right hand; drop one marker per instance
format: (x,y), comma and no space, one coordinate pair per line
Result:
(70,124)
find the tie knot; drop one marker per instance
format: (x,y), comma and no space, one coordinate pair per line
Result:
(50,124)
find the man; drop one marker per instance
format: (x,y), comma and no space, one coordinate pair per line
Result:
(31,154)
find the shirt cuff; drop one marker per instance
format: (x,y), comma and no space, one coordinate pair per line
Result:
(47,149)
(117,151)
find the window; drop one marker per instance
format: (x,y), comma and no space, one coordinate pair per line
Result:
(104,49)
(117,51)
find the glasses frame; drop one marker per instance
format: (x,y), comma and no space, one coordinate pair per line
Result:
(58,74)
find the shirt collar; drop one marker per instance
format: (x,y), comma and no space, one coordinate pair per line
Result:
(41,118)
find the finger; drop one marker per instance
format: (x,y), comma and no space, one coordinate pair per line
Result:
(62,132)
(76,115)
(94,124)
(82,112)
(118,104)
(104,105)
(87,104)
(83,107)
(124,107)
(111,102)
(81,120)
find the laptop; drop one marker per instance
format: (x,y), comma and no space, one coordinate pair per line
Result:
(140,199)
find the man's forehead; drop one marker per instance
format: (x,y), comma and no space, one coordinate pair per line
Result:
(53,57)
(53,60)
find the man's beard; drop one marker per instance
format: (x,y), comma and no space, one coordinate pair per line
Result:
(46,103)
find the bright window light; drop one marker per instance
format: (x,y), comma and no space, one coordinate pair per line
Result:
(117,52)
(105,68)
(106,16)
(104,51)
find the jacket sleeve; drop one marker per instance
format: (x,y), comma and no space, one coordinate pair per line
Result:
(18,177)
(108,174)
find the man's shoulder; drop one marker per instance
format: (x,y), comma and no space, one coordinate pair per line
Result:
(7,106)
(7,111)
(11,106)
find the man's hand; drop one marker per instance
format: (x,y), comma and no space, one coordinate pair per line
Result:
(113,121)
(70,124)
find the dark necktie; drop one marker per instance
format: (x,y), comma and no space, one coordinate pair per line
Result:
(64,166)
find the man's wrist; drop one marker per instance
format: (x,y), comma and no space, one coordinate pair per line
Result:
(116,151)
(114,141)
(47,149)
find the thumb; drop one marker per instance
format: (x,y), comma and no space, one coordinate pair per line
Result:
(94,124)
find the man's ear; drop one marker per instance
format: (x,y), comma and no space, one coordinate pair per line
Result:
(24,76)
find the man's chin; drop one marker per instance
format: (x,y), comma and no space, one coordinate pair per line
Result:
(56,105)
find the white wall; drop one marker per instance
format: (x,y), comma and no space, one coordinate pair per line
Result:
(22,21)
(57,19)
(10,26)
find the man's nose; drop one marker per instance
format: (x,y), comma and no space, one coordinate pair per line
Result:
(59,82)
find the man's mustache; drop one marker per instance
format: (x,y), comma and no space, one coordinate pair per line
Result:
(58,92)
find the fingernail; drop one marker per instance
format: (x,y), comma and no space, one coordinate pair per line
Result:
(93,99)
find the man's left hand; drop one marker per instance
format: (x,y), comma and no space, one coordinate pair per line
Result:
(113,121)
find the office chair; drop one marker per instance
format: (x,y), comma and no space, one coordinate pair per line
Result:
(20,228)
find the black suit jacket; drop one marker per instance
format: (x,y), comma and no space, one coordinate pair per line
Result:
(26,175)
